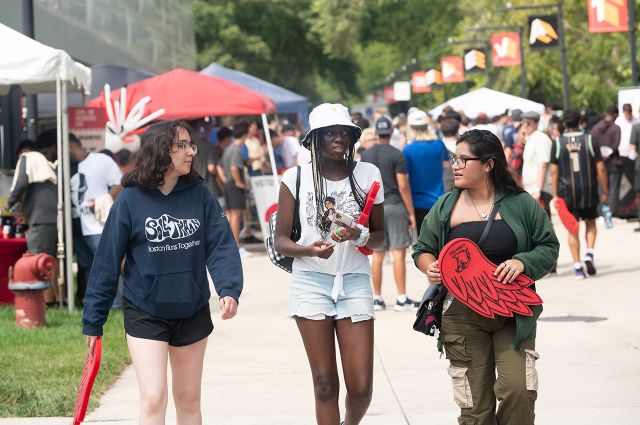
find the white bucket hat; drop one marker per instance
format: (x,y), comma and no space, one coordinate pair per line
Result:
(329,114)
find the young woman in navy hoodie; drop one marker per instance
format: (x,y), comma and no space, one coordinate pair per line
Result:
(170,230)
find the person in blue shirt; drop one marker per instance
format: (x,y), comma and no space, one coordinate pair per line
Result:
(170,229)
(424,158)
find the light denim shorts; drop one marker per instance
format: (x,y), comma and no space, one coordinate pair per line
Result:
(311,297)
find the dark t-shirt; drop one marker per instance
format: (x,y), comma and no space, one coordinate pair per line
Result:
(390,161)
(203,159)
(232,157)
(576,155)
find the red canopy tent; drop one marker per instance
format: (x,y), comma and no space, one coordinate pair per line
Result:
(188,94)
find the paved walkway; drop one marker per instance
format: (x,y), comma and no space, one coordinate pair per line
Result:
(256,372)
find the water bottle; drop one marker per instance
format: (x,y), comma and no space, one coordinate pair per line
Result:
(606,213)
(6,231)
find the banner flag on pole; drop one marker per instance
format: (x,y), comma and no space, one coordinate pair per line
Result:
(419,82)
(433,77)
(452,69)
(388,94)
(505,47)
(475,60)
(608,16)
(543,32)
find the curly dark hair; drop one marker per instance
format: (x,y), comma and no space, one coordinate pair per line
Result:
(485,145)
(153,159)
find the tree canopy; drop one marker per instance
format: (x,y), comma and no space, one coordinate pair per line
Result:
(342,50)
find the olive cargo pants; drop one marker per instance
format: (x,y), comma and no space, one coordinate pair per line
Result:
(476,347)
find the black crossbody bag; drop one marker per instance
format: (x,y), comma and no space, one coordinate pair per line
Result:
(429,315)
(282,261)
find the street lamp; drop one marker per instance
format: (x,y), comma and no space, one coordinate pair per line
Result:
(518,28)
(558,6)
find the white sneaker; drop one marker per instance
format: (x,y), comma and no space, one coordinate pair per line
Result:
(243,252)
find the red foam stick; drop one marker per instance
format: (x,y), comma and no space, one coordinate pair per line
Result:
(468,275)
(567,219)
(89,373)
(366,212)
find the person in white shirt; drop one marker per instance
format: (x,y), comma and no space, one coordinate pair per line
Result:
(331,294)
(93,189)
(535,158)
(290,145)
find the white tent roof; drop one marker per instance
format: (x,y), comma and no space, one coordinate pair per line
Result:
(36,67)
(491,102)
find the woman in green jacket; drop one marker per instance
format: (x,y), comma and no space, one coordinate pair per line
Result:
(521,240)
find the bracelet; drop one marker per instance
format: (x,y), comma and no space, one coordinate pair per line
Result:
(364,236)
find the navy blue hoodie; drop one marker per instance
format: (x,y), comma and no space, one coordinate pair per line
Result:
(169,241)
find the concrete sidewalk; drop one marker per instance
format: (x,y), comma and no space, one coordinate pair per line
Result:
(256,371)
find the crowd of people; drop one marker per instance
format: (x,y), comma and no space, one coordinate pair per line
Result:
(183,204)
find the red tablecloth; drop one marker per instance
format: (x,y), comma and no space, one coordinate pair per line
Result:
(10,251)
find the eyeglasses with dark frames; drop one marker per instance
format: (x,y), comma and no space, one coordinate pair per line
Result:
(461,161)
(182,145)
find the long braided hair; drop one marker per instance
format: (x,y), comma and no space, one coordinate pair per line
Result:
(319,182)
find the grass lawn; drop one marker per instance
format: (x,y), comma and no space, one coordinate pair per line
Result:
(40,368)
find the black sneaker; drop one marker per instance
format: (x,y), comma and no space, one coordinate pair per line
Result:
(589,264)
(407,305)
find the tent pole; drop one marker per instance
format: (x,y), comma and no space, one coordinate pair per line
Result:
(60,214)
(272,158)
(68,232)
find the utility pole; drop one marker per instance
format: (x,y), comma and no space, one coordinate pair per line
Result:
(31,102)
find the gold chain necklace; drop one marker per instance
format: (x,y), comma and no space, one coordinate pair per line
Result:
(483,215)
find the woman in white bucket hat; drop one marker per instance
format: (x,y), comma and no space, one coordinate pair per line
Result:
(331,294)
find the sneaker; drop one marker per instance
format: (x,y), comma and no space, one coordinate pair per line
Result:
(588,262)
(379,305)
(407,305)
(243,252)
(579,273)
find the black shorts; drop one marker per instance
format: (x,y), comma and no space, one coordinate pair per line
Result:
(585,213)
(177,332)
(234,197)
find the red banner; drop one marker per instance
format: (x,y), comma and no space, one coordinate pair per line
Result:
(608,16)
(388,94)
(452,69)
(505,47)
(419,82)
(88,125)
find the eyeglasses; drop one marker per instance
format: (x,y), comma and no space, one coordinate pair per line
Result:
(461,161)
(183,145)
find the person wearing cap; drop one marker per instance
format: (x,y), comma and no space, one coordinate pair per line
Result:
(330,293)
(425,157)
(399,216)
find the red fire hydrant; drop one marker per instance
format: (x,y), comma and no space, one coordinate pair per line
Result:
(28,278)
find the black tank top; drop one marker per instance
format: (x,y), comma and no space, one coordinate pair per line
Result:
(500,245)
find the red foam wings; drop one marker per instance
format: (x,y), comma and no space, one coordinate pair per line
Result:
(567,219)
(89,373)
(468,275)
(366,212)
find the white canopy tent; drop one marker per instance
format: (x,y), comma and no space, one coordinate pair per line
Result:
(490,102)
(38,68)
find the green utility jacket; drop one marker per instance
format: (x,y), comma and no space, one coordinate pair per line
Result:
(537,243)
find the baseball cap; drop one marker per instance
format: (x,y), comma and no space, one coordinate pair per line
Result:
(531,115)
(516,115)
(384,126)
(417,119)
